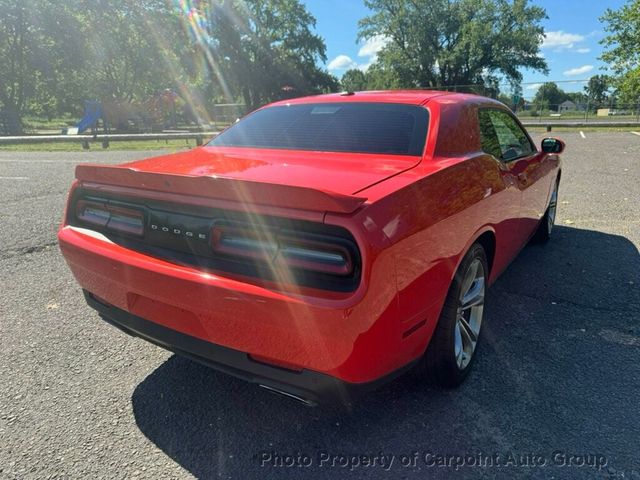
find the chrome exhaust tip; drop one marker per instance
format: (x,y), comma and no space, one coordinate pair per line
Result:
(304,401)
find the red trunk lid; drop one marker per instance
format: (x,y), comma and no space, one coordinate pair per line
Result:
(343,173)
(318,181)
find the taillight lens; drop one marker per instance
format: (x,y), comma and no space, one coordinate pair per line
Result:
(112,217)
(232,240)
(316,253)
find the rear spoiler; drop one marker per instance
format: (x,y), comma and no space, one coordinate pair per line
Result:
(221,188)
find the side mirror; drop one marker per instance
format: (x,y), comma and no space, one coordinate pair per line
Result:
(552,145)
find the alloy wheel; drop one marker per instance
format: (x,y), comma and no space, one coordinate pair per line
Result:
(469,314)
(551,213)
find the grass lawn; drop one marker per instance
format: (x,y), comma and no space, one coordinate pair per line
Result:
(542,129)
(577,116)
(97,146)
(31,123)
(173,145)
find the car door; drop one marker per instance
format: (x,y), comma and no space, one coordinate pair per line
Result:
(521,164)
(505,205)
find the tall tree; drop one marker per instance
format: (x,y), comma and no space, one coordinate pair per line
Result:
(36,45)
(622,46)
(134,47)
(456,42)
(597,88)
(353,80)
(549,95)
(381,78)
(265,49)
(579,98)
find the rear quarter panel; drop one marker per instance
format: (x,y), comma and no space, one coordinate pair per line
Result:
(432,214)
(430,224)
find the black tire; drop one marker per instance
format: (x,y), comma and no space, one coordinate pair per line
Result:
(545,227)
(440,362)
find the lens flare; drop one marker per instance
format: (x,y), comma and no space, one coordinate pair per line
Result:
(197,19)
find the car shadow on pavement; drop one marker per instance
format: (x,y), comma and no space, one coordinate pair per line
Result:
(559,329)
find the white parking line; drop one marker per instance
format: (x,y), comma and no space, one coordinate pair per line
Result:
(14,178)
(582,134)
(636,133)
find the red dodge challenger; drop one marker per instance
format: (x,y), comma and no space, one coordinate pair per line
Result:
(319,246)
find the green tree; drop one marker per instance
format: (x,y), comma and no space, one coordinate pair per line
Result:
(264,50)
(513,100)
(579,98)
(134,48)
(597,88)
(353,80)
(36,47)
(506,99)
(549,95)
(381,78)
(456,42)
(622,52)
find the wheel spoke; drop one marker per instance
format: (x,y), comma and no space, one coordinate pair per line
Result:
(553,203)
(469,277)
(474,296)
(459,350)
(468,334)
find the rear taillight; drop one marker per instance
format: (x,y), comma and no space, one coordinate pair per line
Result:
(321,256)
(318,253)
(112,217)
(244,242)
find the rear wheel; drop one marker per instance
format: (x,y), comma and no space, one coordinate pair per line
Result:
(543,233)
(450,354)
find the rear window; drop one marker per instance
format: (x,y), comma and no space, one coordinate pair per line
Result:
(382,128)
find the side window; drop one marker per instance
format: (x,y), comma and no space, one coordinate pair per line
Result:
(512,141)
(488,138)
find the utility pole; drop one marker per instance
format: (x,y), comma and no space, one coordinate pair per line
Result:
(586,112)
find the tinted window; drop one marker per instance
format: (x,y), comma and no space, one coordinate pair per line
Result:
(502,137)
(346,127)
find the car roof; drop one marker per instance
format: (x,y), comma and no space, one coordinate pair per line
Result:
(410,97)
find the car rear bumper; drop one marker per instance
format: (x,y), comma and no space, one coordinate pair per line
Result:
(306,386)
(356,338)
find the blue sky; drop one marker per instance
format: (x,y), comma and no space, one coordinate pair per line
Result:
(571,48)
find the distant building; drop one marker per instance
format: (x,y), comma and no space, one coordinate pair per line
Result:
(567,106)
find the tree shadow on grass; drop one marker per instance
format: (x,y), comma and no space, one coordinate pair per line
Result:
(560,326)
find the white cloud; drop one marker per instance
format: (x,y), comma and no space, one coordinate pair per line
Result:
(561,40)
(372,46)
(342,62)
(533,86)
(368,52)
(578,70)
(583,50)
(370,49)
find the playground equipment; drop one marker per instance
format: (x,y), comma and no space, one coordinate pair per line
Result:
(93,113)
(153,114)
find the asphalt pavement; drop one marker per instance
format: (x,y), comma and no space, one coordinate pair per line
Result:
(554,392)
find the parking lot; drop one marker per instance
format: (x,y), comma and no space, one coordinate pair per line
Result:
(557,378)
